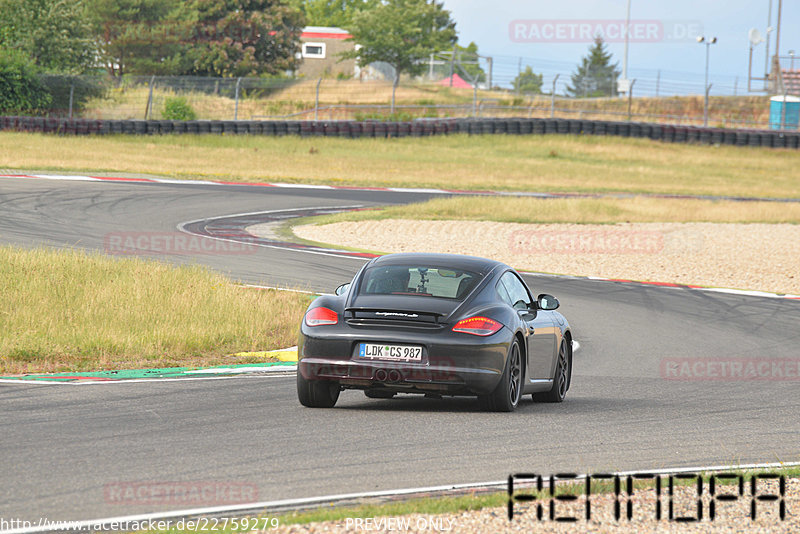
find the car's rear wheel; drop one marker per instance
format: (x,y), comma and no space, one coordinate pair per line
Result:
(317,393)
(561,378)
(506,395)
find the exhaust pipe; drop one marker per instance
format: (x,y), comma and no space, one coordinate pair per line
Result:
(394,375)
(380,375)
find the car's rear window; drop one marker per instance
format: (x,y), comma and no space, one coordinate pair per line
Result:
(418,280)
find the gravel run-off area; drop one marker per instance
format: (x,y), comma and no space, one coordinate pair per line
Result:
(763,257)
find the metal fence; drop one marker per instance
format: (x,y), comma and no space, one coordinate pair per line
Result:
(149,97)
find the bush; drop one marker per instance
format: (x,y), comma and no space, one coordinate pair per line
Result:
(176,108)
(21,90)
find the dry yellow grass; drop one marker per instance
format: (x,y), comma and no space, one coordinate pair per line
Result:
(73,311)
(580,210)
(510,163)
(130,102)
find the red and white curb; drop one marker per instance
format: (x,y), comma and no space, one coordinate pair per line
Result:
(347,498)
(434,191)
(414,190)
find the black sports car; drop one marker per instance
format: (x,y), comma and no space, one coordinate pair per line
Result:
(435,324)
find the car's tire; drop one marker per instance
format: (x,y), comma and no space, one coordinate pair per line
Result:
(506,395)
(562,377)
(379,394)
(317,393)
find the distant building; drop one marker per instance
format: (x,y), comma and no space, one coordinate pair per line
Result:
(320,53)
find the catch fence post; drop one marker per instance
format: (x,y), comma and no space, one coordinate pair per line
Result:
(316,101)
(236,105)
(553,97)
(149,99)
(630,98)
(71,95)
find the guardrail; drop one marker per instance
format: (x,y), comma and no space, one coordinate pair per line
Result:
(415,128)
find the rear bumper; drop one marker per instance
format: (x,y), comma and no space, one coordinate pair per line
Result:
(458,365)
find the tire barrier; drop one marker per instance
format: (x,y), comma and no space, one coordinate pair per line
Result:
(416,128)
(600,128)
(404,129)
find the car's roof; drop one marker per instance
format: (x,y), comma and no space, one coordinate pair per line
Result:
(452,261)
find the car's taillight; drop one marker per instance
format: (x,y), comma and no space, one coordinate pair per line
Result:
(478,326)
(321,316)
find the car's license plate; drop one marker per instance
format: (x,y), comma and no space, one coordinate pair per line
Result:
(399,353)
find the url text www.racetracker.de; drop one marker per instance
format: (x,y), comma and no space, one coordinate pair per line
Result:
(202,524)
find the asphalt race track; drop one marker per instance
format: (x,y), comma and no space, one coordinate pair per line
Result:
(67,451)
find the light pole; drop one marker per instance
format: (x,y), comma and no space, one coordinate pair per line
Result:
(708,42)
(624,80)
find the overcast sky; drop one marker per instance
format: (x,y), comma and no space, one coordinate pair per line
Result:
(548,35)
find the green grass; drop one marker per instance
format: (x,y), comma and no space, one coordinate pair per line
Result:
(75,311)
(508,163)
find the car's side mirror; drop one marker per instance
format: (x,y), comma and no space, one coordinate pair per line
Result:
(547,302)
(342,289)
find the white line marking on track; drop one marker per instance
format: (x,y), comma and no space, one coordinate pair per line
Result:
(35,382)
(182,228)
(254,286)
(302,186)
(500,484)
(750,293)
(182,182)
(412,190)
(70,177)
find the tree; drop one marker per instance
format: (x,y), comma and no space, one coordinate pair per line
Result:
(141,36)
(595,75)
(21,89)
(55,34)
(245,37)
(402,33)
(334,13)
(528,81)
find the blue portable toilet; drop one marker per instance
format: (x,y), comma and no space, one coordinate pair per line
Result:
(777,108)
